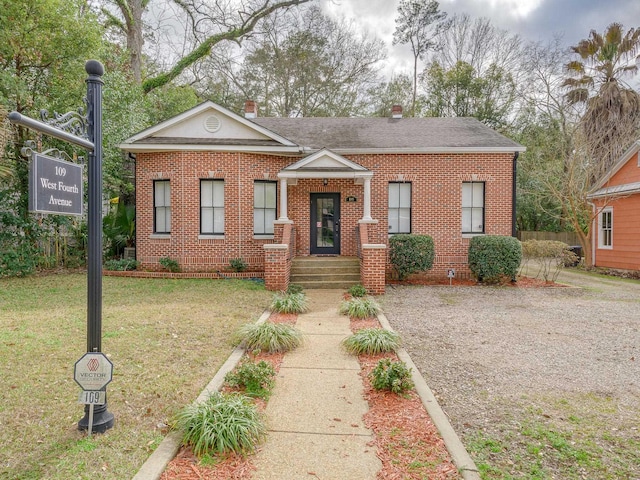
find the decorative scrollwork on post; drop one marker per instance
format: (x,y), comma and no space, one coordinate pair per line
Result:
(74,122)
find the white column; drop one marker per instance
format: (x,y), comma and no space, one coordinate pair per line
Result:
(366,214)
(283,199)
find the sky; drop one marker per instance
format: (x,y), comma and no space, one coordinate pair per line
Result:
(535,20)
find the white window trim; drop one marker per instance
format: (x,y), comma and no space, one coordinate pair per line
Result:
(601,245)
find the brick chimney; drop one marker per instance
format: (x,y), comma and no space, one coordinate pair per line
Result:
(396,111)
(250,109)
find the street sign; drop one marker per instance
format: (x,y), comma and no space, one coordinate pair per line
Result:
(55,186)
(93,397)
(93,371)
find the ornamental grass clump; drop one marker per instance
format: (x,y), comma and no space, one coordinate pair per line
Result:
(269,337)
(289,303)
(360,307)
(371,341)
(393,376)
(224,423)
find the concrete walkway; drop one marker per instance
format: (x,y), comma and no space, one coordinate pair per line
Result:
(315,412)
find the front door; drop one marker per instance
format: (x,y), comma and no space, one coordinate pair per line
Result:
(325,224)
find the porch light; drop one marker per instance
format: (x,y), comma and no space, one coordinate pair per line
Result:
(325,181)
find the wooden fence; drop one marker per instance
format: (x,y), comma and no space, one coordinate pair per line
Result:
(570,238)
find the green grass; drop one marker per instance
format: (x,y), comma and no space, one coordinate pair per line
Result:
(166,339)
(570,438)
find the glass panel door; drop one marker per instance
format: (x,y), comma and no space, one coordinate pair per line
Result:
(325,223)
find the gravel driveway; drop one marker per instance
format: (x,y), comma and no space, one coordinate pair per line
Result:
(503,360)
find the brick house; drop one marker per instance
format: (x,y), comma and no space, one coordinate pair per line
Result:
(212,186)
(616,202)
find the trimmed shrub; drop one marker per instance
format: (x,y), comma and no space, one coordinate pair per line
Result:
(121,265)
(394,376)
(255,378)
(492,257)
(238,264)
(410,253)
(169,264)
(357,290)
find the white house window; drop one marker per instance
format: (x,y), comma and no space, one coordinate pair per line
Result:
(264,207)
(161,206)
(212,207)
(473,207)
(399,207)
(605,238)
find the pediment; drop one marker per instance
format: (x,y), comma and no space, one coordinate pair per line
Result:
(325,160)
(207,121)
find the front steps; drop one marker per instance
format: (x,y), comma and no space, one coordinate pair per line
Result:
(325,272)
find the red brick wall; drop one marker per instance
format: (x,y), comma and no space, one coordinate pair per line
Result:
(436,204)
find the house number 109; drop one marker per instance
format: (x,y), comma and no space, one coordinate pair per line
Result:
(61,171)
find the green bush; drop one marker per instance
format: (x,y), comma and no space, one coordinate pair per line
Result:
(289,303)
(371,341)
(394,376)
(492,257)
(411,253)
(549,256)
(122,264)
(221,424)
(268,337)
(255,378)
(238,264)
(357,290)
(360,307)
(169,264)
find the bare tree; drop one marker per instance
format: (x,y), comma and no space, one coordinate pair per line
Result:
(212,22)
(418,23)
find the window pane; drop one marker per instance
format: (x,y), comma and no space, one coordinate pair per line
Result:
(207,220)
(270,195)
(478,194)
(269,218)
(206,193)
(162,194)
(218,220)
(476,220)
(404,221)
(218,194)
(258,194)
(393,220)
(167,219)
(405,195)
(466,195)
(466,220)
(258,220)
(394,195)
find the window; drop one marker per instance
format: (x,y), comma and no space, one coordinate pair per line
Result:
(605,238)
(264,207)
(473,207)
(161,206)
(399,207)
(212,207)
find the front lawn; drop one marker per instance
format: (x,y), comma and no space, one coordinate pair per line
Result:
(166,339)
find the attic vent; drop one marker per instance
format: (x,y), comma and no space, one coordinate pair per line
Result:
(212,123)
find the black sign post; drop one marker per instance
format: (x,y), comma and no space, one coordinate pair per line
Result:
(86,132)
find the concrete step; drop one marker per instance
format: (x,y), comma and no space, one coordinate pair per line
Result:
(325,272)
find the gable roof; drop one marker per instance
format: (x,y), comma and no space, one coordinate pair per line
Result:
(190,131)
(599,189)
(398,135)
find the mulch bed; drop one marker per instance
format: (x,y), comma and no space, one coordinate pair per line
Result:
(408,443)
